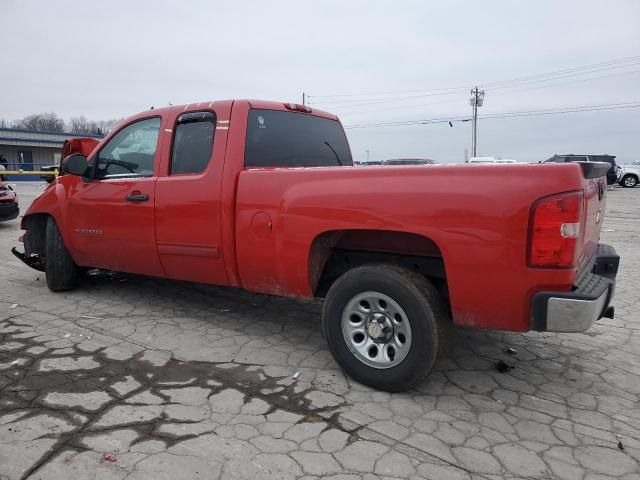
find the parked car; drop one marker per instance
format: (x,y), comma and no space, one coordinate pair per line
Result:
(262,196)
(629,175)
(368,164)
(490,160)
(49,168)
(612,173)
(409,161)
(9,208)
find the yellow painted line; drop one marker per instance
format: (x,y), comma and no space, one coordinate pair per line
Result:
(29,172)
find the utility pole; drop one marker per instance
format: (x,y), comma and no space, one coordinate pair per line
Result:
(367,152)
(304,99)
(477,99)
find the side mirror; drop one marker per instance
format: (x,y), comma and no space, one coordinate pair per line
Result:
(75,164)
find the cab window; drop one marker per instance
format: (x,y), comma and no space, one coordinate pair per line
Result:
(192,142)
(131,152)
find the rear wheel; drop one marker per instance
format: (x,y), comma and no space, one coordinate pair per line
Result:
(61,271)
(385,326)
(629,181)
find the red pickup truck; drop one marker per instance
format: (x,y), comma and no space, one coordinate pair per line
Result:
(264,196)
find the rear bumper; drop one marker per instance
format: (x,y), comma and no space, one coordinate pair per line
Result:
(590,299)
(9,211)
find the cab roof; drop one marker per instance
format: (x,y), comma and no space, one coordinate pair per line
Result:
(260,104)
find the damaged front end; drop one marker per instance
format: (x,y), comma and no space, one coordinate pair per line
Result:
(35,260)
(34,242)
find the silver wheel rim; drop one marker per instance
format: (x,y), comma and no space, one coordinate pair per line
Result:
(629,181)
(376,330)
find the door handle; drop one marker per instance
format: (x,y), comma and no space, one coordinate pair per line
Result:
(137,197)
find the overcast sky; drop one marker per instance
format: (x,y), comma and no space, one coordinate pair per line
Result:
(112,59)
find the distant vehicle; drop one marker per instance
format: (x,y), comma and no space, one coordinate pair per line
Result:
(368,164)
(49,168)
(612,173)
(8,202)
(490,160)
(629,175)
(409,161)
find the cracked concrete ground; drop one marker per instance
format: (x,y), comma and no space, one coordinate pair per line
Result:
(137,378)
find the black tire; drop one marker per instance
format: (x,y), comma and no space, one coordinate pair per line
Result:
(629,181)
(61,271)
(425,312)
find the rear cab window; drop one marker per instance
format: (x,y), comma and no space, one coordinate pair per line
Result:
(289,139)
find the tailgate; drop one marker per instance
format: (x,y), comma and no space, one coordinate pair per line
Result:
(595,200)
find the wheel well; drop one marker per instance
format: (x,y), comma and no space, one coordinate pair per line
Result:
(631,175)
(333,253)
(35,236)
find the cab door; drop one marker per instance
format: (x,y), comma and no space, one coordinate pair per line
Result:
(112,215)
(188,210)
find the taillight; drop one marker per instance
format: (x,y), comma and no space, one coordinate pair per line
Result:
(554,230)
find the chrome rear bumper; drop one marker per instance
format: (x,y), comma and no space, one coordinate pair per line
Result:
(578,310)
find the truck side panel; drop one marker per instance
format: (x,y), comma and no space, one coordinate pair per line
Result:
(477,215)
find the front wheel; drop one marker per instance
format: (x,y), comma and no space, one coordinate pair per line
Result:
(385,326)
(629,181)
(61,271)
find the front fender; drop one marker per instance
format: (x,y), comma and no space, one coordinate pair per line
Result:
(48,202)
(54,202)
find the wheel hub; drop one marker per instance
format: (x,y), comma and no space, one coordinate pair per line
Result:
(379,327)
(376,329)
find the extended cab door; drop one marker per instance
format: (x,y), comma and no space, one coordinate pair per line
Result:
(112,214)
(188,214)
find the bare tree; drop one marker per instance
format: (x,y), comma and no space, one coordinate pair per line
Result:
(83,126)
(107,125)
(45,122)
(50,122)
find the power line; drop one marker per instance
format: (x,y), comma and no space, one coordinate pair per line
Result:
(363,102)
(557,77)
(582,70)
(608,65)
(575,110)
(465,118)
(568,83)
(398,92)
(350,108)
